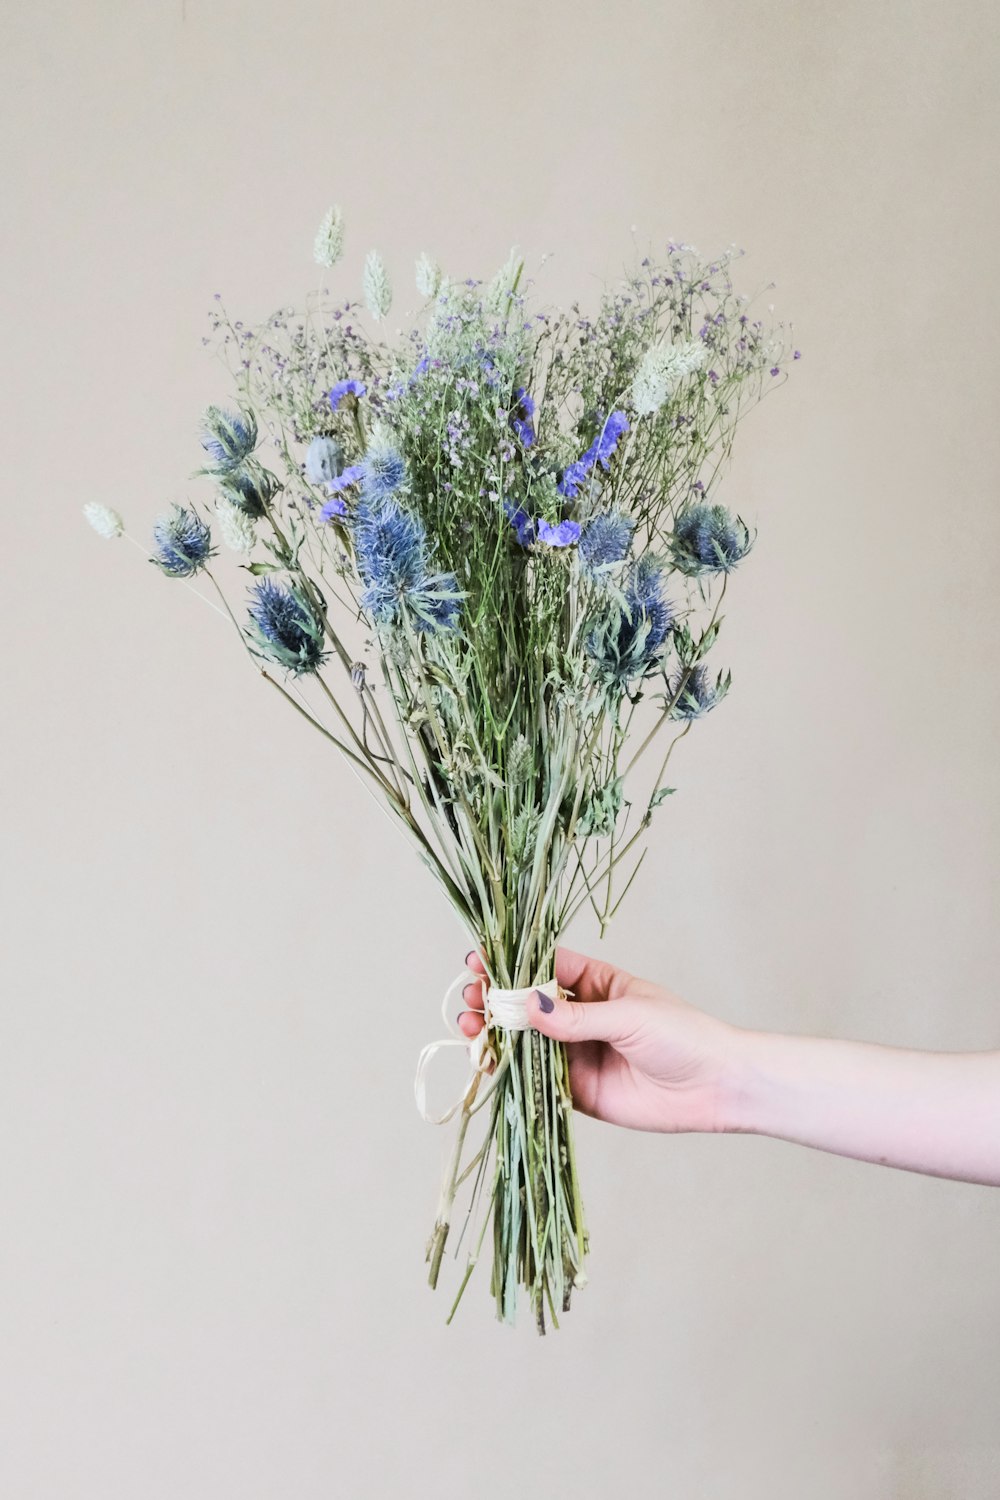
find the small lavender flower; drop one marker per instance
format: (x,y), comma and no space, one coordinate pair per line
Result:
(353,474)
(626,640)
(428,276)
(329,243)
(346,388)
(235,527)
(604,541)
(284,627)
(182,543)
(695,693)
(375,285)
(251,487)
(324,460)
(105,521)
(228,437)
(707,539)
(383,468)
(333,510)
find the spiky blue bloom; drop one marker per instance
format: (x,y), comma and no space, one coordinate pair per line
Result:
(695,693)
(626,640)
(345,388)
(605,540)
(324,460)
(228,437)
(251,487)
(391,550)
(383,470)
(284,627)
(520,417)
(707,539)
(600,452)
(182,543)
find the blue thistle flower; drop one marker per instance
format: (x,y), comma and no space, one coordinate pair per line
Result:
(383,470)
(627,639)
(600,452)
(182,541)
(695,693)
(324,460)
(605,540)
(251,487)
(228,437)
(707,539)
(391,550)
(284,627)
(345,388)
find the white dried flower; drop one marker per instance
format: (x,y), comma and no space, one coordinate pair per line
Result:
(235,527)
(428,276)
(375,285)
(329,244)
(105,521)
(498,293)
(661,370)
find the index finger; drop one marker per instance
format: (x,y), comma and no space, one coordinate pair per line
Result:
(590,979)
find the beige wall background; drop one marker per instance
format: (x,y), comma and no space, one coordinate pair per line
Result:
(214,1189)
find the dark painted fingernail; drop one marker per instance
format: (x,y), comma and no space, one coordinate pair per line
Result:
(471,954)
(544,1002)
(473,987)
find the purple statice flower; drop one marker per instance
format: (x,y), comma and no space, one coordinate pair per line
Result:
(523,524)
(520,417)
(333,509)
(345,388)
(182,543)
(353,474)
(605,540)
(562,534)
(600,452)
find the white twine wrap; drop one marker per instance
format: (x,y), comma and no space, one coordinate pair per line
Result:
(502,1008)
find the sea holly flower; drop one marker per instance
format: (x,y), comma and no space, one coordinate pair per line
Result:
(284,627)
(182,543)
(707,539)
(105,521)
(324,460)
(626,640)
(344,388)
(605,540)
(228,437)
(693,694)
(328,247)
(251,487)
(383,470)
(391,550)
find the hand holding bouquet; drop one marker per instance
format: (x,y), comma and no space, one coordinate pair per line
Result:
(485,560)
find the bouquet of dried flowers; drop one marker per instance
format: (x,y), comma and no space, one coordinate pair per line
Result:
(485,560)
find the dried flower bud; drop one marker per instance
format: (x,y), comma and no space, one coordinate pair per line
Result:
(105,521)
(375,285)
(329,244)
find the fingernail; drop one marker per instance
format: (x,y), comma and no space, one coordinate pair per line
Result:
(465,992)
(545,1003)
(471,954)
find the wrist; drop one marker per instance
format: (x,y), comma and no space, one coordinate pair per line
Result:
(744,1091)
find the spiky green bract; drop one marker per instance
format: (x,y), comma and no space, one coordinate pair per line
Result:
(627,638)
(284,626)
(228,437)
(707,539)
(250,486)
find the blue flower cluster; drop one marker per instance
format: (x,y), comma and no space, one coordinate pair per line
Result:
(530,529)
(284,627)
(520,417)
(707,539)
(600,452)
(182,543)
(604,541)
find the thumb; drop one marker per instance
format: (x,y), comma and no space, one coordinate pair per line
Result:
(577,1021)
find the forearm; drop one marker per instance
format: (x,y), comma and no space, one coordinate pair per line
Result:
(932,1112)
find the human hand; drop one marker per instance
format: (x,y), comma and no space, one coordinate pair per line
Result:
(638,1056)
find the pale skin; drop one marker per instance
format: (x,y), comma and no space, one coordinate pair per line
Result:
(642,1058)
